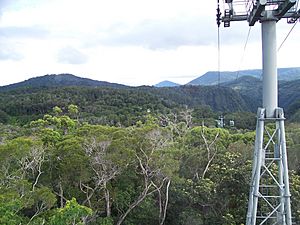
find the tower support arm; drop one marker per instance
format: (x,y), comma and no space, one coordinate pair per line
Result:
(284,8)
(256,12)
(234,18)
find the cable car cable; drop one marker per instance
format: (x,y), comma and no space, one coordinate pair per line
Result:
(243,55)
(287,35)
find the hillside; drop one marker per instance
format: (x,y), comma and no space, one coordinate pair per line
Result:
(218,98)
(108,104)
(211,78)
(250,89)
(112,104)
(289,97)
(60,80)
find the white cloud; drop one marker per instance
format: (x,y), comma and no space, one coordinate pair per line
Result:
(70,55)
(18,32)
(9,53)
(159,34)
(3,4)
(132,42)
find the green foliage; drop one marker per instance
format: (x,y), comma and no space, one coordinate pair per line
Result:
(4,117)
(72,213)
(57,111)
(190,217)
(108,168)
(116,106)
(242,120)
(73,110)
(295,192)
(105,221)
(44,197)
(10,206)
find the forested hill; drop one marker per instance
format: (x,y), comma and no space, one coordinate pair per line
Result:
(250,89)
(60,80)
(111,104)
(218,98)
(107,105)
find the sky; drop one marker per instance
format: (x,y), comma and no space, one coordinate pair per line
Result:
(131,42)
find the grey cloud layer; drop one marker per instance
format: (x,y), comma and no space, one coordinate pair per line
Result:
(161,34)
(168,34)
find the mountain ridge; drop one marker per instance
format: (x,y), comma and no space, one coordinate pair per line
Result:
(28,100)
(212,77)
(207,79)
(59,80)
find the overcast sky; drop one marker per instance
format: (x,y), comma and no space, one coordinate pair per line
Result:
(132,42)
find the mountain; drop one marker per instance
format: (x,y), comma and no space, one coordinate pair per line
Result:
(212,77)
(289,93)
(222,99)
(60,80)
(109,105)
(115,104)
(166,83)
(250,89)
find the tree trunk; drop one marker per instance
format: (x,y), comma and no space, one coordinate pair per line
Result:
(61,194)
(166,204)
(107,200)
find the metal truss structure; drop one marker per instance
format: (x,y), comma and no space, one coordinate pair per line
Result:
(254,10)
(269,197)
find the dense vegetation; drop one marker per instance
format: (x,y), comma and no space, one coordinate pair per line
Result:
(114,106)
(114,155)
(161,170)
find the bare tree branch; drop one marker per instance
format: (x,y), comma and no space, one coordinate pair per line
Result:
(104,169)
(209,148)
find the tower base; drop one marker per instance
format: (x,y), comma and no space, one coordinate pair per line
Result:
(269,198)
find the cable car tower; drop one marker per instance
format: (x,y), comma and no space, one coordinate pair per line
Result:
(269,197)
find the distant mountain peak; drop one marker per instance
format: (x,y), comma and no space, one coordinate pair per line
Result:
(212,77)
(59,80)
(166,83)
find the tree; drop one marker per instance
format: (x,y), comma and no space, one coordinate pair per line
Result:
(57,111)
(10,207)
(104,170)
(72,213)
(4,117)
(73,111)
(154,168)
(200,147)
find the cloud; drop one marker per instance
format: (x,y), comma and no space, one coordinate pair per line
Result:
(3,4)
(160,34)
(172,33)
(23,32)
(9,53)
(70,55)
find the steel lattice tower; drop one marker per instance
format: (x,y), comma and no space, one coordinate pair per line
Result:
(269,197)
